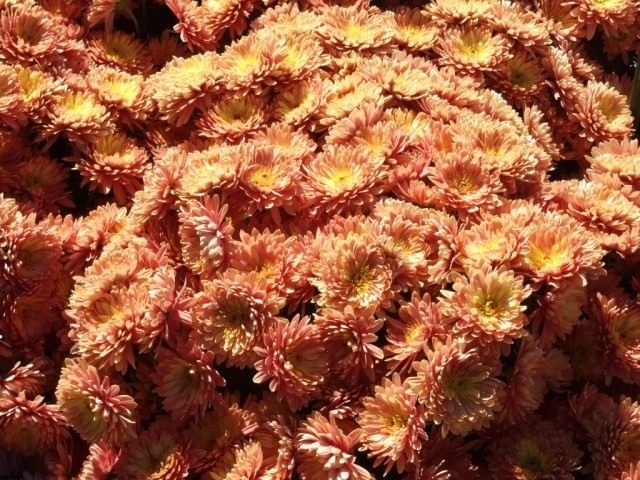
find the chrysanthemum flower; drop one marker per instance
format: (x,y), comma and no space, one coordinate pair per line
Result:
(362,30)
(603,112)
(392,425)
(187,383)
(617,322)
(232,313)
(216,167)
(29,425)
(119,50)
(457,12)
(114,163)
(29,378)
(42,185)
(243,462)
(611,15)
(276,438)
(123,93)
(418,323)
(297,103)
(488,305)
(93,406)
(37,89)
(351,271)
(205,234)
(350,337)
(106,11)
(342,178)
(293,360)
(11,102)
(248,62)
(413,31)
(301,57)
(600,208)
(79,116)
(462,183)
(403,76)
(100,462)
(287,140)
(233,118)
(560,21)
(472,49)
(535,449)
(559,248)
(184,85)
(155,455)
(164,48)
(458,386)
(618,157)
(324,451)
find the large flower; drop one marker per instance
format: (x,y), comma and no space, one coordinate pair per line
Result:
(458,386)
(93,406)
(488,305)
(293,360)
(392,426)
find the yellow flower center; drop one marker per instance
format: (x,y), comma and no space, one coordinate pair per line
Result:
(122,89)
(464,184)
(31,84)
(626,329)
(459,387)
(356,32)
(263,177)
(549,258)
(342,177)
(531,458)
(246,63)
(609,107)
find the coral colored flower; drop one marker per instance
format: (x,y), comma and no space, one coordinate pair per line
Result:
(37,89)
(215,167)
(301,57)
(488,305)
(324,451)
(472,49)
(93,406)
(106,11)
(233,118)
(29,424)
(187,383)
(535,449)
(559,248)
(412,30)
(232,313)
(115,163)
(350,337)
(118,50)
(611,15)
(602,112)
(297,103)
(392,426)
(458,387)
(11,102)
(456,12)
(403,76)
(240,463)
(618,157)
(154,455)
(342,178)
(205,234)
(183,86)
(100,462)
(418,323)
(123,93)
(248,62)
(345,29)
(616,319)
(285,139)
(293,360)
(351,272)
(42,185)
(79,116)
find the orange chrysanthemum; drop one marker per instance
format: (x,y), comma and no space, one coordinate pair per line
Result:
(617,157)
(473,49)
(233,118)
(413,31)
(361,30)
(392,425)
(119,50)
(93,406)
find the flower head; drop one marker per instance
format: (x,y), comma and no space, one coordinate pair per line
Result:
(361,30)
(472,49)
(93,406)
(617,157)
(233,118)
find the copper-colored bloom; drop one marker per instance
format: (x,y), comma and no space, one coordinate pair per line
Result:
(233,118)
(618,157)
(473,49)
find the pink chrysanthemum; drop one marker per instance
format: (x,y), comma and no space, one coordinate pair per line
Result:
(11,101)
(243,462)
(100,462)
(93,406)
(123,93)
(293,360)
(205,234)
(114,163)
(392,426)
(611,15)
(326,452)
(233,118)
(361,30)
(297,103)
(413,31)
(488,305)
(458,386)
(119,50)
(617,157)
(473,49)
(106,11)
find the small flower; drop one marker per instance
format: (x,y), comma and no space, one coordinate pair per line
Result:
(488,305)
(293,360)
(535,449)
(472,49)
(114,163)
(216,167)
(458,387)
(187,383)
(324,451)
(205,234)
(100,462)
(296,104)
(342,178)
(238,463)
(123,93)
(106,11)
(602,112)
(248,62)
(233,118)
(392,425)
(11,101)
(611,15)
(618,157)
(93,406)
(413,31)
(344,29)
(119,50)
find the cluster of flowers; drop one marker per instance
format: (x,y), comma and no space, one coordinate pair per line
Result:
(319,240)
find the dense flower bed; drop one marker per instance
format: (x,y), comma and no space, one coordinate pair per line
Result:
(319,240)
